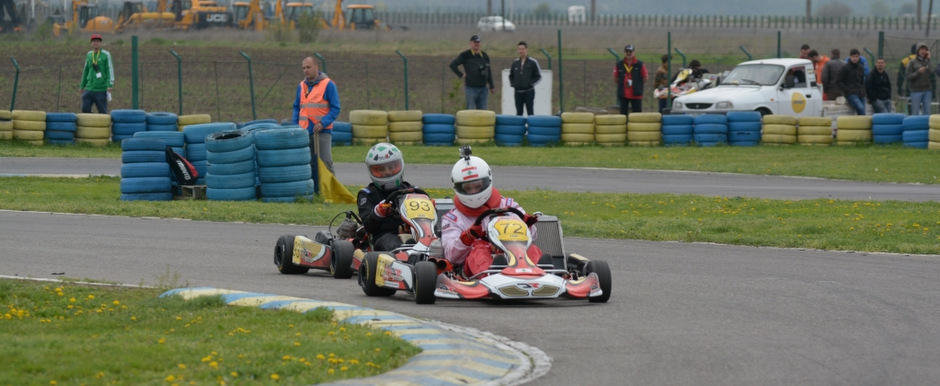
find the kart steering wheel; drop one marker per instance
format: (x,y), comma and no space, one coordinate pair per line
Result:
(396,195)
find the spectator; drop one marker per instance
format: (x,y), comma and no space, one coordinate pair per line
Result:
(918,78)
(819,62)
(852,82)
(804,51)
(476,75)
(630,73)
(661,83)
(316,106)
(878,88)
(524,73)
(830,76)
(863,62)
(97,77)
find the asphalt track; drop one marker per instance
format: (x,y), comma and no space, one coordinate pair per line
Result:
(567,179)
(680,313)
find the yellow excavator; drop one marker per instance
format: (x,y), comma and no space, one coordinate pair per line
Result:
(292,12)
(134,15)
(249,15)
(361,16)
(85,19)
(198,14)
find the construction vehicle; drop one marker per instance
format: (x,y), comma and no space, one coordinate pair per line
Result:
(134,15)
(361,16)
(248,15)
(294,11)
(85,18)
(198,14)
(13,25)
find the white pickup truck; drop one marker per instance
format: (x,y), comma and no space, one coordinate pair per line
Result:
(770,86)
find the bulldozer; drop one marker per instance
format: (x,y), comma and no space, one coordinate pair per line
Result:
(84,18)
(360,17)
(134,15)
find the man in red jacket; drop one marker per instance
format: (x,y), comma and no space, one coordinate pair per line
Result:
(629,74)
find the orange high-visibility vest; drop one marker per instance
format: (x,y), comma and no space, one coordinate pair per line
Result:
(312,105)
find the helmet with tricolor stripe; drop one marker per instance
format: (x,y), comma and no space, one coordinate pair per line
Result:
(473,181)
(386,165)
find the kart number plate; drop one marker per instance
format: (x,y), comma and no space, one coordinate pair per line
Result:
(511,230)
(419,207)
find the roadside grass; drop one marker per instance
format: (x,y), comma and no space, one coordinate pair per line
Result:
(889,226)
(75,334)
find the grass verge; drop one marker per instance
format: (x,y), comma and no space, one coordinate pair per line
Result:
(75,334)
(890,226)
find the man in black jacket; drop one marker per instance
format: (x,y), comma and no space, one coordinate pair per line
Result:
(477,75)
(878,88)
(523,75)
(852,82)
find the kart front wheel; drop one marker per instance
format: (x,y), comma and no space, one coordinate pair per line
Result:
(284,255)
(341,263)
(367,276)
(425,282)
(602,270)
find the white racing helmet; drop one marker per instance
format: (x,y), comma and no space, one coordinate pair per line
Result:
(386,165)
(473,181)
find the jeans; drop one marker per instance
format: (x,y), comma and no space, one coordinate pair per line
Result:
(920,102)
(99,98)
(625,105)
(476,98)
(525,98)
(882,105)
(856,102)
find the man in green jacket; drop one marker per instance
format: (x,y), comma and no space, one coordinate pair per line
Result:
(97,77)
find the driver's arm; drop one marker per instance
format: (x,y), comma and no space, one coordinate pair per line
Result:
(366,203)
(452,226)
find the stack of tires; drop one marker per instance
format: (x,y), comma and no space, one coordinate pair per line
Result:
(29,126)
(342,133)
(93,129)
(124,123)
(475,126)
(677,130)
(933,135)
(543,130)
(577,128)
(644,129)
(710,129)
(369,126)
(853,130)
(510,130)
(916,130)
(814,131)
(145,174)
(162,121)
(173,139)
(6,125)
(610,129)
(284,164)
(193,119)
(230,174)
(60,128)
(404,127)
(886,128)
(438,129)
(744,128)
(264,121)
(779,130)
(195,138)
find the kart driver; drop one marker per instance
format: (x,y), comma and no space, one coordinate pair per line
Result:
(386,166)
(474,194)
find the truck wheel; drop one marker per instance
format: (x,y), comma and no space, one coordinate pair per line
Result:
(341,263)
(283,255)
(602,270)
(367,276)
(425,282)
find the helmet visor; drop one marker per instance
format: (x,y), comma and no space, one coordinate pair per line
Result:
(473,186)
(385,170)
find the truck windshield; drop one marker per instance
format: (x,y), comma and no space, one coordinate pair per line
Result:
(754,74)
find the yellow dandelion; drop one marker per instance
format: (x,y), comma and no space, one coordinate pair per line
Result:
(320,357)
(116,302)
(214,364)
(286,357)
(134,318)
(99,375)
(181,365)
(330,371)
(161,340)
(53,382)
(72,300)
(234,374)
(275,377)
(296,343)
(343,368)
(377,349)
(91,297)
(169,378)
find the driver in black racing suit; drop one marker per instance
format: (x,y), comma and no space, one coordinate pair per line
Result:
(386,166)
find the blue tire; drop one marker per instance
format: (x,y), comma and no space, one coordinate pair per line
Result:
(128,116)
(261,126)
(145,169)
(178,150)
(158,127)
(342,138)
(165,196)
(274,139)
(196,152)
(445,119)
(154,144)
(284,157)
(709,128)
(542,140)
(285,173)
(145,185)
(170,138)
(886,139)
(438,139)
(230,181)
(197,133)
(915,136)
(225,141)
(287,189)
(544,121)
(135,156)
(678,119)
(258,121)
(710,119)
(552,131)
(743,136)
(710,139)
(120,138)
(342,127)
(438,128)
(743,143)
(677,139)
(677,129)
(60,117)
(744,126)
(509,120)
(887,129)
(125,128)
(287,199)
(743,116)
(59,135)
(508,139)
(242,194)
(916,122)
(248,166)
(161,118)
(228,157)
(61,126)
(510,130)
(887,119)
(918,145)
(61,141)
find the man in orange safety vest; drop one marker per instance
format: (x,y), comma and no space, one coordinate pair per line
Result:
(316,106)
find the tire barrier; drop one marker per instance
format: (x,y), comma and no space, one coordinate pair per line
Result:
(814,131)
(93,129)
(342,133)
(194,137)
(173,139)
(438,129)
(6,125)
(60,128)
(162,121)
(933,133)
(230,173)
(283,159)
(853,130)
(543,130)
(124,123)
(369,126)
(744,128)
(509,130)
(610,129)
(29,126)
(475,126)
(145,174)
(266,121)
(710,129)
(405,116)
(886,128)
(577,128)
(644,129)
(404,127)
(677,130)
(778,130)
(193,119)
(915,130)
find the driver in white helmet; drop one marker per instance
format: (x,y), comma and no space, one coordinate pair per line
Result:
(474,194)
(386,166)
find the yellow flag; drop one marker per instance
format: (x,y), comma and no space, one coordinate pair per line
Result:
(331,189)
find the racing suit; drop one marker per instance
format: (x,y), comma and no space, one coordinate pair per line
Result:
(476,256)
(383,230)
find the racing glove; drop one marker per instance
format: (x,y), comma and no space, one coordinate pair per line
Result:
(530,220)
(473,233)
(382,209)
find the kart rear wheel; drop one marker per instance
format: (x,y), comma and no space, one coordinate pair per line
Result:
(284,254)
(367,276)
(341,263)
(425,282)
(602,270)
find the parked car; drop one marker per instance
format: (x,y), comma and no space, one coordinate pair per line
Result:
(495,23)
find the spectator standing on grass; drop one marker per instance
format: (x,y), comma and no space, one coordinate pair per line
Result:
(830,76)
(661,82)
(630,73)
(476,74)
(819,62)
(878,88)
(918,79)
(524,73)
(97,77)
(316,106)
(852,82)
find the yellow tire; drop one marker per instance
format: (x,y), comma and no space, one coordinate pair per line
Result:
(367,141)
(94,120)
(6,135)
(935,121)
(611,129)
(405,126)
(93,132)
(815,144)
(776,119)
(579,138)
(193,119)
(27,135)
(368,117)
(470,141)
(606,139)
(933,135)
(643,136)
(405,137)
(610,119)
(814,139)
(815,121)
(6,115)
(644,143)
(405,116)
(572,117)
(771,128)
(6,125)
(854,122)
(782,139)
(644,127)
(369,131)
(577,128)
(645,117)
(476,118)
(476,132)
(93,142)
(933,145)
(29,125)
(814,130)
(847,135)
(29,115)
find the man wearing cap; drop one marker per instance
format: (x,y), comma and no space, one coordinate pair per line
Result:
(918,79)
(97,77)
(476,75)
(629,74)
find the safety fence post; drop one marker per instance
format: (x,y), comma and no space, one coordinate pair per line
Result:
(135,75)
(16,82)
(870,55)
(561,82)
(614,53)
(547,56)
(179,80)
(779,53)
(669,66)
(682,55)
(881,44)
(322,61)
(749,57)
(405,61)
(251,84)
